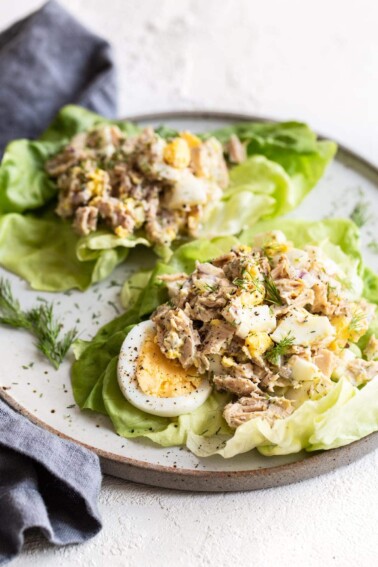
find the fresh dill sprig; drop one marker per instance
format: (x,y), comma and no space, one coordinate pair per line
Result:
(360,214)
(280,349)
(272,295)
(40,321)
(210,288)
(240,282)
(246,280)
(356,321)
(10,310)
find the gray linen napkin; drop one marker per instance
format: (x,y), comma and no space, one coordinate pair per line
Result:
(47,60)
(45,482)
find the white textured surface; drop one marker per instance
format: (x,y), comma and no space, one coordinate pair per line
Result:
(286,59)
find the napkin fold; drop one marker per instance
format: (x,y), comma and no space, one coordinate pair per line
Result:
(47,60)
(45,482)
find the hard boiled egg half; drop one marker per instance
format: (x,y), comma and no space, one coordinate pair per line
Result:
(153,383)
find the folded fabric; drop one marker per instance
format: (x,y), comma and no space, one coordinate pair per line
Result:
(45,482)
(48,60)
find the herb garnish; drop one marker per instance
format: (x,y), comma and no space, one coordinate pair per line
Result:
(245,281)
(40,321)
(272,294)
(210,288)
(360,214)
(357,318)
(240,282)
(280,349)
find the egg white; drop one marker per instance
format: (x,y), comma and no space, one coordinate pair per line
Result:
(128,383)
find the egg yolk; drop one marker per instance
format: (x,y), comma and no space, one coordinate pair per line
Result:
(162,378)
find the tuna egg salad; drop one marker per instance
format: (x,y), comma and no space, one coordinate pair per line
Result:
(126,183)
(272,326)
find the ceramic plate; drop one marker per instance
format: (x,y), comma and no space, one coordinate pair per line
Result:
(44,395)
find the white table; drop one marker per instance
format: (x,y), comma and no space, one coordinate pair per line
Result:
(285,59)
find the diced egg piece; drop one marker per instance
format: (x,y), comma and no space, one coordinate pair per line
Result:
(304,329)
(258,343)
(303,370)
(153,383)
(177,153)
(298,258)
(248,319)
(98,180)
(187,190)
(341,325)
(300,262)
(192,140)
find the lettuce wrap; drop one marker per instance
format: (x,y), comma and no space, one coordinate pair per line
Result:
(284,162)
(346,413)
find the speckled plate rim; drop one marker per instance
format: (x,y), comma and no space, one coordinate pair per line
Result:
(315,464)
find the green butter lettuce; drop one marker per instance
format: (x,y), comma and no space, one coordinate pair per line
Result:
(74,119)
(285,161)
(293,146)
(35,243)
(343,415)
(51,257)
(24,184)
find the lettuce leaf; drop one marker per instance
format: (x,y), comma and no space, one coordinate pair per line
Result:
(133,287)
(51,257)
(73,119)
(290,162)
(291,145)
(24,184)
(343,415)
(283,436)
(232,215)
(41,247)
(286,161)
(270,138)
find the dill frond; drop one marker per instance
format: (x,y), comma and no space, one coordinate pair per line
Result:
(280,349)
(272,295)
(360,214)
(246,280)
(40,321)
(10,310)
(210,288)
(240,282)
(356,321)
